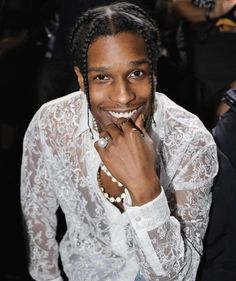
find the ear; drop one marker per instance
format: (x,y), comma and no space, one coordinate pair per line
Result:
(79,77)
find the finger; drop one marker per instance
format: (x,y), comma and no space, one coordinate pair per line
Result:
(113,130)
(125,124)
(121,121)
(140,122)
(129,125)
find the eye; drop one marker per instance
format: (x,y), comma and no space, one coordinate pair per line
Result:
(136,74)
(101,77)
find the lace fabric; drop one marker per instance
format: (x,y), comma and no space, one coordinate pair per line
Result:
(160,240)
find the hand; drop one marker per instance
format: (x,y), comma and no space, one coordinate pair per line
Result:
(130,157)
(221,8)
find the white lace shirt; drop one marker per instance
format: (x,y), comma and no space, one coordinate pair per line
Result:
(161,240)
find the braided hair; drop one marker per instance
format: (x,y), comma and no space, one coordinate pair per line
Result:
(111,20)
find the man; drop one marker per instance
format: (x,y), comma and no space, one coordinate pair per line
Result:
(131,170)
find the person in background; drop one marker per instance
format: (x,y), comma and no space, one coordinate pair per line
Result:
(219,260)
(172,65)
(131,170)
(209,28)
(224,131)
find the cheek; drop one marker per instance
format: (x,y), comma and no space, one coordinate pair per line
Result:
(95,102)
(97,93)
(94,105)
(144,85)
(143,91)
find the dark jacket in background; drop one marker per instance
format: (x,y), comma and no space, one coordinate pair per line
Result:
(219,258)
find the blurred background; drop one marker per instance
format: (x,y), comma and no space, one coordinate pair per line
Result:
(197,65)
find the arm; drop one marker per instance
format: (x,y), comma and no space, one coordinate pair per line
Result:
(168,236)
(189,11)
(134,154)
(194,14)
(39,206)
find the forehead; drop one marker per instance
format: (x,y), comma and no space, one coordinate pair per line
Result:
(116,49)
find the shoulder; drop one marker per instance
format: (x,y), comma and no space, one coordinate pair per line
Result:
(60,106)
(177,124)
(183,141)
(168,112)
(59,116)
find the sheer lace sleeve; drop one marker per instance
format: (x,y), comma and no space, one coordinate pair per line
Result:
(39,206)
(170,229)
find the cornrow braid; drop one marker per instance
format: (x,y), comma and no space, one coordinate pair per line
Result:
(151,48)
(84,56)
(73,43)
(84,68)
(152,71)
(140,11)
(137,11)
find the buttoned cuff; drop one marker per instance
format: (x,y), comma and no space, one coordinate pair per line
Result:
(150,215)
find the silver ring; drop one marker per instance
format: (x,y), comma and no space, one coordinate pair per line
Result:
(141,133)
(103,142)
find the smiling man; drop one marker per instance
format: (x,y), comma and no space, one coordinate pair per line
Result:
(130,169)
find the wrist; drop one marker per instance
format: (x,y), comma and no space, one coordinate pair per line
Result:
(145,194)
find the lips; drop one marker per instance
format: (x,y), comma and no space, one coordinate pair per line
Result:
(113,114)
(127,114)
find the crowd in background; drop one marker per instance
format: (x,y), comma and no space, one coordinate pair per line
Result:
(196,68)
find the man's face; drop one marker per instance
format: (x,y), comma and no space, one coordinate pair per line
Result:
(119,78)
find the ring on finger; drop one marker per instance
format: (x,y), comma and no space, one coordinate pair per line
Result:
(103,142)
(138,130)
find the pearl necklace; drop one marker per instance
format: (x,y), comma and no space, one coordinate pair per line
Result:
(95,125)
(107,172)
(112,199)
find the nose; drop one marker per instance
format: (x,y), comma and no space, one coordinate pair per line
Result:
(123,92)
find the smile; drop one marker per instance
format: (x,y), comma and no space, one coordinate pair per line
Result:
(127,114)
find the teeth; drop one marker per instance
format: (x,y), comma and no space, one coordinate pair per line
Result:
(122,114)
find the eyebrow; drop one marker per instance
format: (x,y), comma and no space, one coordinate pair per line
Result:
(104,68)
